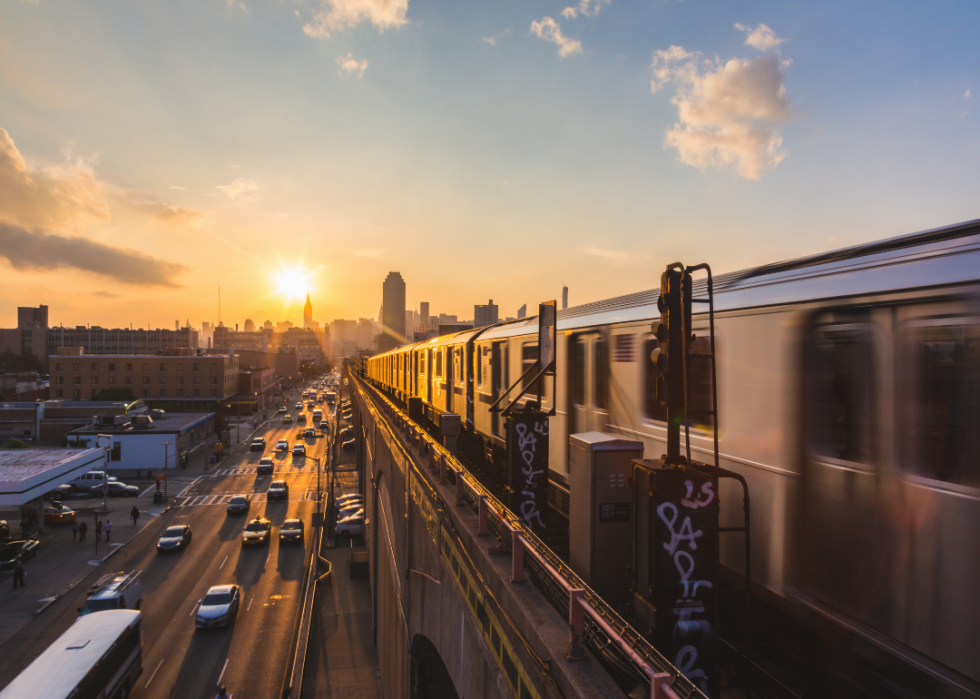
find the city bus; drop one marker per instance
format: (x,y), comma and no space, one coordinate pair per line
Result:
(100,655)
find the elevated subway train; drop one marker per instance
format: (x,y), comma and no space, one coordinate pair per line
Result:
(849,398)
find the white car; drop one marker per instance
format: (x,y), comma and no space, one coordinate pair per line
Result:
(351,526)
(84,483)
(219,606)
(299,450)
(282,445)
(355,508)
(345,498)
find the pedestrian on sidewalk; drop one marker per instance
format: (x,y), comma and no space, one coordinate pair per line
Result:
(74,530)
(135,514)
(98,530)
(19,574)
(82,531)
(108,530)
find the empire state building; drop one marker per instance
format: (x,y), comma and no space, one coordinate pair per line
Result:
(308,314)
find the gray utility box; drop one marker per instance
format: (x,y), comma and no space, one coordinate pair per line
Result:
(600,517)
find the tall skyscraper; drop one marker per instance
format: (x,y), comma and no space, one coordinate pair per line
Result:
(393,307)
(564,297)
(485,315)
(424,315)
(522,311)
(308,314)
(249,325)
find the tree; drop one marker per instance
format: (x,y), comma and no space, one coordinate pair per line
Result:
(27,361)
(116,393)
(14,443)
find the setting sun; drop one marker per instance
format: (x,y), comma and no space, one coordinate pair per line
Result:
(293,282)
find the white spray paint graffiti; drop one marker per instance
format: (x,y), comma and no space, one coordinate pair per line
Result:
(527,444)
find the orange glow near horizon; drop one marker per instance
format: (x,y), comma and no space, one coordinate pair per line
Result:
(293,283)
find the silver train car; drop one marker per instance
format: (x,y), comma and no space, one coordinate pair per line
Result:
(849,399)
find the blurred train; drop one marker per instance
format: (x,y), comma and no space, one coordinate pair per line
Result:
(849,398)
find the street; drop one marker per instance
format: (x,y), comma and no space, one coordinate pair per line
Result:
(250,655)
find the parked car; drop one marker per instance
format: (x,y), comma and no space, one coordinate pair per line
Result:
(299,449)
(291,531)
(62,492)
(348,445)
(351,508)
(219,606)
(346,433)
(239,504)
(56,513)
(282,445)
(85,483)
(257,532)
(340,500)
(175,538)
(266,465)
(351,526)
(25,548)
(258,444)
(115,489)
(278,490)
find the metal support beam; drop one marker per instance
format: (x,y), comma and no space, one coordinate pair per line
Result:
(517,556)
(576,619)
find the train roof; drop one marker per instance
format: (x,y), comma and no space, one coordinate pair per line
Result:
(949,255)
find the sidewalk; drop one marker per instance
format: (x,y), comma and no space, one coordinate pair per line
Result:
(342,660)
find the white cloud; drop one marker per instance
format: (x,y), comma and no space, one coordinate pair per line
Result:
(350,65)
(762,37)
(239,190)
(549,30)
(339,14)
(728,111)
(587,8)
(492,40)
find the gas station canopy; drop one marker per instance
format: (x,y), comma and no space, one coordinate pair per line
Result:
(26,474)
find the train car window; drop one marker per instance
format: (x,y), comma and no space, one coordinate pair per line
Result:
(943,415)
(438,354)
(479,365)
(601,374)
(651,406)
(529,357)
(576,369)
(840,378)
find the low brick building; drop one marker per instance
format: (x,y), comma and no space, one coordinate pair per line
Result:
(259,384)
(182,374)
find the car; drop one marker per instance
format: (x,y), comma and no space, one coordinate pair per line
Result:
(175,538)
(291,530)
(345,498)
(298,406)
(266,465)
(257,532)
(62,492)
(301,418)
(219,606)
(309,432)
(239,504)
(346,433)
(351,508)
(347,505)
(258,444)
(311,405)
(56,513)
(85,483)
(282,445)
(282,409)
(12,550)
(324,425)
(278,490)
(115,489)
(351,526)
(286,420)
(299,449)
(348,445)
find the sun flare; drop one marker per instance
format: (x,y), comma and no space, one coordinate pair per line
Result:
(293,282)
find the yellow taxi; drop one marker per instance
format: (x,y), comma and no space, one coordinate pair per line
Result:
(56,513)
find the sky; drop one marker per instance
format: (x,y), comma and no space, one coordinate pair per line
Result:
(152,152)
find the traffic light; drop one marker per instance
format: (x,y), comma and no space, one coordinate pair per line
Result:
(671,330)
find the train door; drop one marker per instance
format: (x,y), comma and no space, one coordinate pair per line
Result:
(447,356)
(845,550)
(588,382)
(498,381)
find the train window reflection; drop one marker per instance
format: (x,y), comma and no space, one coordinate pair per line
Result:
(529,357)
(943,431)
(576,368)
(841,387)
(438,372)
(601,373)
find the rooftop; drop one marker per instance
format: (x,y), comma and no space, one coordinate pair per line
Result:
(149,422)
(18,464)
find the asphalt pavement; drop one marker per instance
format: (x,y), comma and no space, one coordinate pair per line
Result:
(250,655)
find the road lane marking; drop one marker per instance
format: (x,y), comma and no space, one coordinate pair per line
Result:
(224,667)
(250,603)
(153,675)
(223,563)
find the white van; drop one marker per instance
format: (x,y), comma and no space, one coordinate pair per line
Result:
(114,591)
